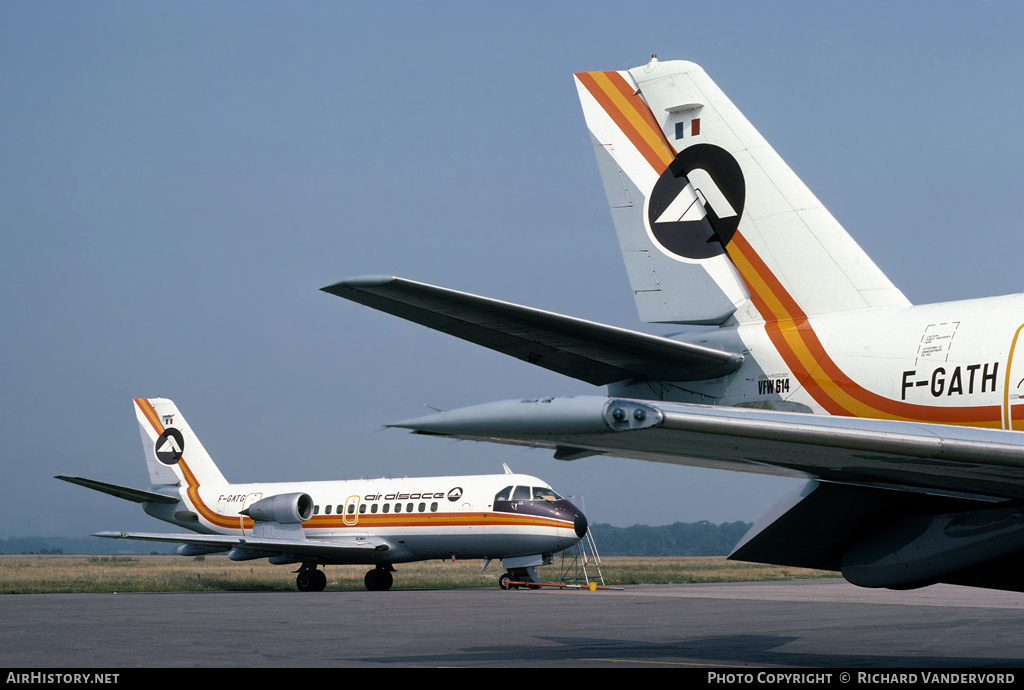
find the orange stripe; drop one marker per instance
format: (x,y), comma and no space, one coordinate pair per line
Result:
(435,520)
(151,415)
(791,333)
(647,126)
(192,484)
(786,324)
(631,115)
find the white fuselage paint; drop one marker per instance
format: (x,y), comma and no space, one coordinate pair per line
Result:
(954,362)
(421,518)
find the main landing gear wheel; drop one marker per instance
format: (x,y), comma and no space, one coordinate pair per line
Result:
(311,580)
(378,580)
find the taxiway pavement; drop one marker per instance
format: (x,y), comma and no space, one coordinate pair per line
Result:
(819,623)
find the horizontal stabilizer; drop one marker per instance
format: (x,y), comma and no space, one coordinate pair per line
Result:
(584,350)
(127,493)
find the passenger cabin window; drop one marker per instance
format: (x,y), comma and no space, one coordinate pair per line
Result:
(433,507)
(327,510)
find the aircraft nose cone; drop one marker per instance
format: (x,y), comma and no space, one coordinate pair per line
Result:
(579,524)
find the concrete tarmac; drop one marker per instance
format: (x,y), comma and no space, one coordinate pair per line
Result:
(802,624)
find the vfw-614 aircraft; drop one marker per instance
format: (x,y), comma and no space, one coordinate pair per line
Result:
(903,419)
(377,522)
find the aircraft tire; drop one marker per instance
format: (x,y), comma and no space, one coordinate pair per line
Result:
(504,580)
(312,580)
(378,580)
(319,581)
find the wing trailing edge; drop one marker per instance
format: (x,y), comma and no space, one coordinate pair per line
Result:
(584,350)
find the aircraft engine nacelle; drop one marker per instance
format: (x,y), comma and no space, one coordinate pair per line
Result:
(283,508)
(915,551)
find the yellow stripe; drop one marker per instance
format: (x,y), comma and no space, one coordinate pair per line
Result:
(630,113)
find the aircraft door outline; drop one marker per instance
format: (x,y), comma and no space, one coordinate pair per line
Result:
(351,514)
(1013,385)
(249,500)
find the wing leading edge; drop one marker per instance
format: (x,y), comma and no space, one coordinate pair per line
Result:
(887,503)
(584,350)
(966,462)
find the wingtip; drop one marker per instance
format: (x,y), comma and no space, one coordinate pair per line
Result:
(359,282)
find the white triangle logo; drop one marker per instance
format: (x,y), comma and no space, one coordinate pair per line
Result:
(170,446)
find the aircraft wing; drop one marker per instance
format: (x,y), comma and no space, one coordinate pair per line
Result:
(887,503)
(966,462)
(266,546)
(584,350)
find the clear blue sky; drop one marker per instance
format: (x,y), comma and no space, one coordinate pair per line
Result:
(179,180)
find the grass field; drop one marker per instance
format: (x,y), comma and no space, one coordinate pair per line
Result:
(30,574)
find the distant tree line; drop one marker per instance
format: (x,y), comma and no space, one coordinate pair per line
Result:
(680,539)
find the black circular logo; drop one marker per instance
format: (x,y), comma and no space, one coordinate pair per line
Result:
(455,494)
(170,446)
(718,180)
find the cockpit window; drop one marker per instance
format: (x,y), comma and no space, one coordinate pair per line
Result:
(522,493)
(546,494)
(527,493)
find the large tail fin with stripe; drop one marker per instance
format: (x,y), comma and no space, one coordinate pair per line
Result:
(173,453)
(711,222)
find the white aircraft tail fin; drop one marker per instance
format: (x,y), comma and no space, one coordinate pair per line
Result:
(173,453)
(712,223)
